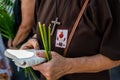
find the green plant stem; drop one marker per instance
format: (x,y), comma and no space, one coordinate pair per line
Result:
(29,72)
(43,34)
(46,39)
(33,74)
(49,40)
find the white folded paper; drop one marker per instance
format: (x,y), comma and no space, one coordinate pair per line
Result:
(24,58)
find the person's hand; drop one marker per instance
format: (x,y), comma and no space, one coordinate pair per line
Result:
(57,67)
(10,44)
(31,44)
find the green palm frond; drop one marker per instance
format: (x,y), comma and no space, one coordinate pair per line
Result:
(6,24)
(7,5)
(6,18)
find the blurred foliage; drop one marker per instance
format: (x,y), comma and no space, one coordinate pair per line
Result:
(7,18)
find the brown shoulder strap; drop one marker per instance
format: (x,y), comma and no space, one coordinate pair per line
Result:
(75,26)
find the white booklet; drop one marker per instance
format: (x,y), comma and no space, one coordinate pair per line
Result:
(24,58)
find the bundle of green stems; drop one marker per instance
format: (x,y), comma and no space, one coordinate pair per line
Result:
(30,74)
(46,39)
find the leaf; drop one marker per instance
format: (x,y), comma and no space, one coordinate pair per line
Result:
(6,24)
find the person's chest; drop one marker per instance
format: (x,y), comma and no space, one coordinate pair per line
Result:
(84,40)
(66,11)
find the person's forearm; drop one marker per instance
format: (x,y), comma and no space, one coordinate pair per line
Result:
(21,36)
(91,64)
(27,8)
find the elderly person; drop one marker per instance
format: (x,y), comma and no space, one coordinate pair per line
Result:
(94,48)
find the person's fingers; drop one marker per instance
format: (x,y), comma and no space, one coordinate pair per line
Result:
(38,66)
(30,44)
(35,44)
(41,54)
(54,54)
(35,67)
(10,43)
(26,46)
(23,46)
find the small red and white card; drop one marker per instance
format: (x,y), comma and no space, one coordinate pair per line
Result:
(61,38)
